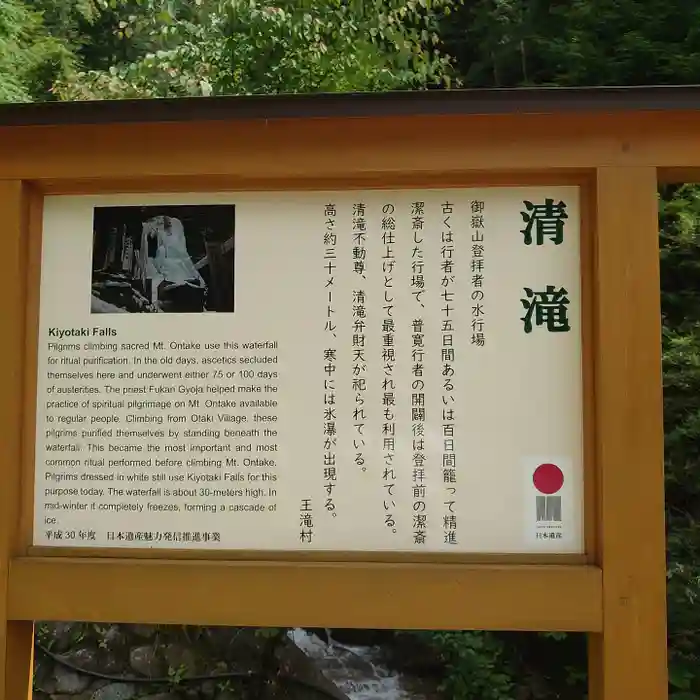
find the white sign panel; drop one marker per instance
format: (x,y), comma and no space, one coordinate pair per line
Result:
(350,371)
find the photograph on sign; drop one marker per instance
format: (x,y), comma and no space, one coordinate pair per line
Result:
(365,371)
(143,259)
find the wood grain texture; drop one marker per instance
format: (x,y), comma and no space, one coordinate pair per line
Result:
(15,637)
(31,337)
(389,596)
(628,660)
(289,149)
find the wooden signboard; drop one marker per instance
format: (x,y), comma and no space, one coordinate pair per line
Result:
(404,348)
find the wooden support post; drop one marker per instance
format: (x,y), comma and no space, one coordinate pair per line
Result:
(628,660)
(15,637)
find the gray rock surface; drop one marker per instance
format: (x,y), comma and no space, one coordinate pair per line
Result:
(115,691)
(69,682)
(147,662)
(116,662)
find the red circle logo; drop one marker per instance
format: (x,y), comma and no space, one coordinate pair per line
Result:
(548,478)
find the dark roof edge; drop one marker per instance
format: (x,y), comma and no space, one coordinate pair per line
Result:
(543,100)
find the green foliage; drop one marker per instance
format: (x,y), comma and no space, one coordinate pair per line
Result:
(509,43)
(270,632)
(213,47)
(30,58)
(679,215)
(476,665)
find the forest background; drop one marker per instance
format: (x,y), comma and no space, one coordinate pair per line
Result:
(96,49)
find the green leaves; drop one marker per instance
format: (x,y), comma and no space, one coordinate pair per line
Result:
(30,57)
(508,43)
(476,665)
(219,47)
(679,222)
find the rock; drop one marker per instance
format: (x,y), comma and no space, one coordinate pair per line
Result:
(182,659)
(161,696)
(115,691)
(143,631)
(352,637)
(69,682)
(49,685)
(208,689)
(145,661)
(114,663)
(114,638)
(64,635)
(44,678)
(113,652)
(99,683)
(226,695)
(411,654)
(242,647)
(84,658)
(297,665)
(82,696)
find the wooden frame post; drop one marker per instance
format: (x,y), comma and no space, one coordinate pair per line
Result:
(628,659)
(15,636)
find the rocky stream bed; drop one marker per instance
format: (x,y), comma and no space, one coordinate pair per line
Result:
(80,661)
